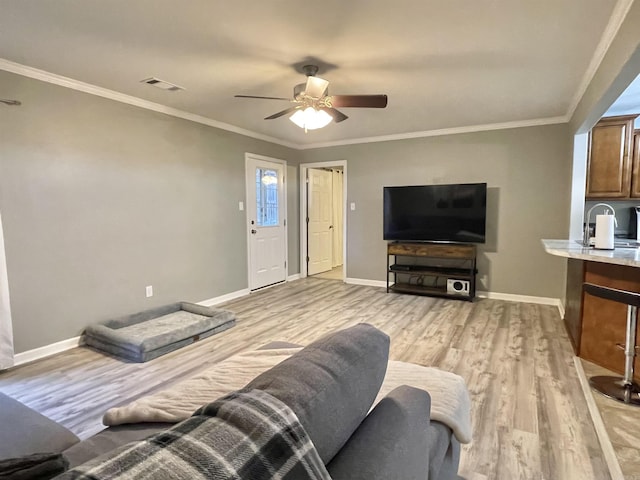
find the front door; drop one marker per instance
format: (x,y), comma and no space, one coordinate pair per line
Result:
(319,227)
(266,222)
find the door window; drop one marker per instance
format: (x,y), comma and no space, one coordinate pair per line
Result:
(267,208)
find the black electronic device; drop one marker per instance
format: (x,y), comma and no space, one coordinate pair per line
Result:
(402,268)
(438,213)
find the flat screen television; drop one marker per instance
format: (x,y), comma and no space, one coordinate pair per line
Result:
(437,213)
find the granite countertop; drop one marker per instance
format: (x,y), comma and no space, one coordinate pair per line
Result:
(573,249)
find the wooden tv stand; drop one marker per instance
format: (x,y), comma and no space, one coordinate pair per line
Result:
(428,268)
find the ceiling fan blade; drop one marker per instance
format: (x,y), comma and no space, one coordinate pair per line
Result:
(282,113)
(315,87)
(362,101)
(264,98)
(337,115)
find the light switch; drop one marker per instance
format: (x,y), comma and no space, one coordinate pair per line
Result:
(149,291)
(241,206)
(353,206)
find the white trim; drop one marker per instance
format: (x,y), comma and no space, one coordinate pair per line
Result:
(63,345)
(536,122)
(510,297)
(616,20)
(480,294)
(561,309)
(7,358)
(293,278)
(303,212)
(48,350)
(364,281)
(225,298)
(603,437)
(248,156)
(611,30)
(67,82)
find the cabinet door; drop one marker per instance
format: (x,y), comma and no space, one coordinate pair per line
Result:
(635,162)
(608,165)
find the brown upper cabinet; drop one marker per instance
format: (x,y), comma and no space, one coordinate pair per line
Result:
(613,169)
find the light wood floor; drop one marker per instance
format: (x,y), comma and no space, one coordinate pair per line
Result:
(333,274)
(621,424)
(529,416)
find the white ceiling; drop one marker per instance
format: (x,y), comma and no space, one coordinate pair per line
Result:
(444,64)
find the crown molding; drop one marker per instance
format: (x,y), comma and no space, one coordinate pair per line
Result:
(536,122)
(73,84)
(618,15)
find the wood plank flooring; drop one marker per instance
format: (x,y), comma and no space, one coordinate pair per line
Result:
(621,424)
(529,416)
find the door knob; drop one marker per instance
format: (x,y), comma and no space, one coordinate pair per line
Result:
(254,231)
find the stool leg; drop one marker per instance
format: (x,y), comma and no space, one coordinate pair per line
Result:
(630,344)
(623,389)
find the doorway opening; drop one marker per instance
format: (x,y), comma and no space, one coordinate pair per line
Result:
(323,228)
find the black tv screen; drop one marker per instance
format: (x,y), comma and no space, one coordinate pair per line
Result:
(437,213)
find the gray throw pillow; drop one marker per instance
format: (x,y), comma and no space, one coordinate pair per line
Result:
(331,384)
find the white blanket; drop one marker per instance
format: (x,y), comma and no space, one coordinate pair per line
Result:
(450,402)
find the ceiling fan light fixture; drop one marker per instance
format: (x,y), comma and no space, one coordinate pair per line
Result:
(311,119)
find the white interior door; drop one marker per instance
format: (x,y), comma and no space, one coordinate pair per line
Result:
(6,329)
(337,230)
(266,220)
(320,209)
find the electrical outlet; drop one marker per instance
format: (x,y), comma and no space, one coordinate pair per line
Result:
(241,206)
(149,291)
(353,206)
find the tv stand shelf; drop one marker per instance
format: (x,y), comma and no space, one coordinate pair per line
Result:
(435,269)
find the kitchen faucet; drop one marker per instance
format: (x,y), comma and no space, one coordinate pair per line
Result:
(586,237)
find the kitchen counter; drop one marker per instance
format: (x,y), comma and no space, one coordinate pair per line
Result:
(629,257)
(596,326)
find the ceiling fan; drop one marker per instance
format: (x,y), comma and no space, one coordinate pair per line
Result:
(314,107)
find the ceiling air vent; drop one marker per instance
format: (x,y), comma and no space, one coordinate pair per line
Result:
(161,84)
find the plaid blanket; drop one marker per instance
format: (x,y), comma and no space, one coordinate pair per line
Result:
(244,435)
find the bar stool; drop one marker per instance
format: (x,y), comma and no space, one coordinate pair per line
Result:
(621,389)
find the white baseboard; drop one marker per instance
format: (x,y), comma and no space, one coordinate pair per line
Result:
(561,308)
(493,295)
(364,281)
(47,350)
(510,297)
(603,437)
(225,298)
(295,276)
(61,346)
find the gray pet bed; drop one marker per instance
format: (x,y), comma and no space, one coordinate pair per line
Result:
(146,335)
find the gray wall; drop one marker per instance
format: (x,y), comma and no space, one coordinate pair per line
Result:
(528,175)
(100,199)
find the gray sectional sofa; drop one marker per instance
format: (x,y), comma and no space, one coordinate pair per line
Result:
(330,385)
